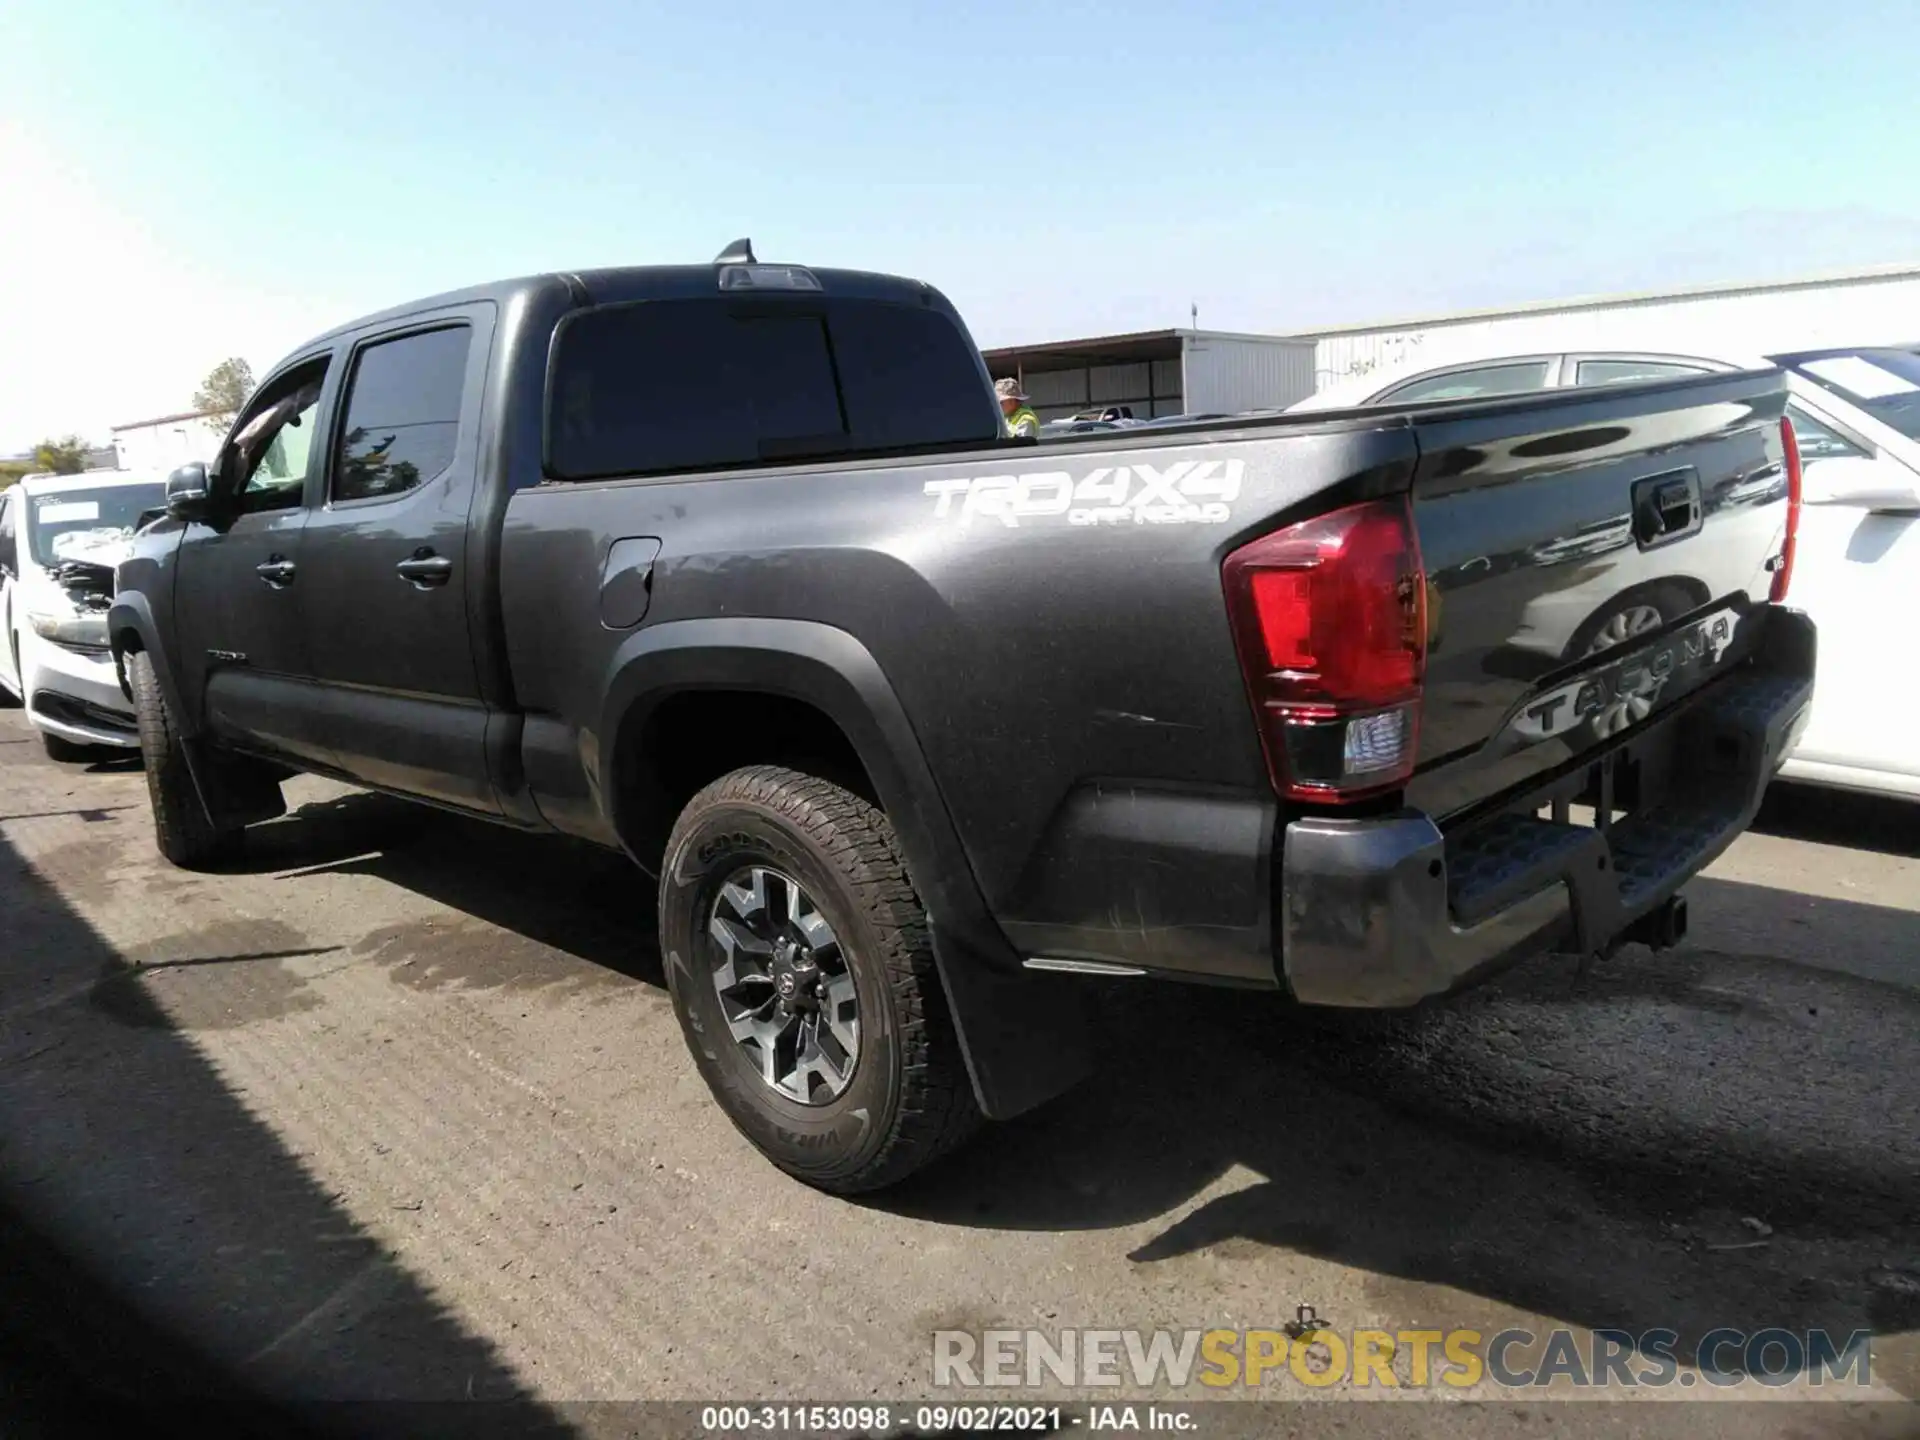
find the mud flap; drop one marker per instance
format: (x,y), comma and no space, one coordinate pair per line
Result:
(1027,1037)
(236,789)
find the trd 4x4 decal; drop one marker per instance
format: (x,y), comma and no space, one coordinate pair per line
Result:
(1186,492)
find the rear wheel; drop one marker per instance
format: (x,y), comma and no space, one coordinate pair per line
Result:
(801,969)
(182,827)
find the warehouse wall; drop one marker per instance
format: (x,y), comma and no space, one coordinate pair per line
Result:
(165,447)
(1225,374)
(1150,387)
(1883,310)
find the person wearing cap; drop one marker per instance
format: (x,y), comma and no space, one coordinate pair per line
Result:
(1021,421)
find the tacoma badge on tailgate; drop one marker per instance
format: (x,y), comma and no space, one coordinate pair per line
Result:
(1625,690)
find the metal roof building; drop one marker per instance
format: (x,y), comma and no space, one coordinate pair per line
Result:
(166,441)
(1160,372)
(1854,307)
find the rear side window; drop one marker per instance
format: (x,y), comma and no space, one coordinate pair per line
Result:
(698,384)
(1818,441)
(1628,372)
(1473,384)
(403,413)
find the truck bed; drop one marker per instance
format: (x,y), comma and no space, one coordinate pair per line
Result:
(1051,622)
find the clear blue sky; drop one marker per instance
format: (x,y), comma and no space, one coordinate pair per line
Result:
(1058,169)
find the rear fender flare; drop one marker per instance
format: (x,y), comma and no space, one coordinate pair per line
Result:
(1025,1038)
(820,666)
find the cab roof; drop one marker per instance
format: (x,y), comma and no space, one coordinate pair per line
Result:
(619,284)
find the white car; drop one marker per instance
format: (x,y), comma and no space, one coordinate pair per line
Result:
(60,538)
(1856,414)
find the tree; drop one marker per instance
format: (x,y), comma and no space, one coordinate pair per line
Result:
(62,457)
(223,392)
(12,470)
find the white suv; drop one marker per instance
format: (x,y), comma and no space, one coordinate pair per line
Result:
(60,538)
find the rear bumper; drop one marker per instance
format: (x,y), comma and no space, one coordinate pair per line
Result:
(1389,911)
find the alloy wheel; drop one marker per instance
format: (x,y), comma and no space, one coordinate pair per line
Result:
(783,984)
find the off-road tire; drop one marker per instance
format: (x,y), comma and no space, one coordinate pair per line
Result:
(908,1100)
(63,750)
(182,828)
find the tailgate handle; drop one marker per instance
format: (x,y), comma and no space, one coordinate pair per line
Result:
(1666,507)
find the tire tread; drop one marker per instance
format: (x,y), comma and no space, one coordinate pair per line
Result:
(937,1109)
(184,832)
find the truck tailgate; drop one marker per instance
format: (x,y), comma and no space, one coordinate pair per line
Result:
(1591,559)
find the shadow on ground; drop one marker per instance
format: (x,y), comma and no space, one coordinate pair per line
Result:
(1841,817)
(583,901)
(245,1278)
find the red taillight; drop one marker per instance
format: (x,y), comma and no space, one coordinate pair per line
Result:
(1783,563)
(1330,619)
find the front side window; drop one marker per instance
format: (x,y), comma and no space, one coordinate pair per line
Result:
(1476,384)
(677,385)
(1629,372)
(268,453)
(7,561)
(403,413)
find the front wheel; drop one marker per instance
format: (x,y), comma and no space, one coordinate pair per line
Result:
(182,827)
(801,968)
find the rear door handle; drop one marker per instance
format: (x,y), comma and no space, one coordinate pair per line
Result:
(424,568)
(278,571)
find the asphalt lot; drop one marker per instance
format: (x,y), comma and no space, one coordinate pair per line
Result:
(398,1111)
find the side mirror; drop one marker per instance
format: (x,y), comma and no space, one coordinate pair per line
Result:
(1861,483)
(189,493)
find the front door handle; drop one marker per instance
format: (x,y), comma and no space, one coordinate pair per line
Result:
(424,568)
(277,571)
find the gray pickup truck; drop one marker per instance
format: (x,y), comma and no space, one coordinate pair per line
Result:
(919,727)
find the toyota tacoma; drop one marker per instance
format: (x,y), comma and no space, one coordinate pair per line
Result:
(919,728)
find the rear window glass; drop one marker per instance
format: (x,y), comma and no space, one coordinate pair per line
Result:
(1884,383)
(704,384)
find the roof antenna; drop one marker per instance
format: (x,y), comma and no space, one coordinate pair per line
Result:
(740,252)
